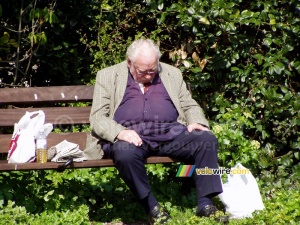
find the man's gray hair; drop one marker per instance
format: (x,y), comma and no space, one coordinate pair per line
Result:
(135,47)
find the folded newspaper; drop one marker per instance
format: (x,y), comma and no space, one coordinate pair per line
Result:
(64,151)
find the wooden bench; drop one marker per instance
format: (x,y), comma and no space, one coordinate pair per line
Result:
(58,104)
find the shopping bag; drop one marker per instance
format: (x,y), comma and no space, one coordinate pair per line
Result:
(241,195)
(22,144)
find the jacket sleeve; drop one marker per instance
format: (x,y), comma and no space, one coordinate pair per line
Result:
(191,110)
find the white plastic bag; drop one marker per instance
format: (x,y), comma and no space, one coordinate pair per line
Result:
(241,195)
(22,144)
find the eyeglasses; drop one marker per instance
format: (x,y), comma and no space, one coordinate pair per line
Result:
(147,72)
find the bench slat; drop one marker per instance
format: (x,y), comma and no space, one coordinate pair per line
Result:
(4,166)
(46,94)
(52,139)
(54,115)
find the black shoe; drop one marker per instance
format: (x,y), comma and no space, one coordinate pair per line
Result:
(158,216)
(207,211)
(211,210)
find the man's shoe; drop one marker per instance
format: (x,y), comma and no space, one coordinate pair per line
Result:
(158,216)
(207,211)
(211,210)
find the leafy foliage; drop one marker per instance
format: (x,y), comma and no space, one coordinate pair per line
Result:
(44,48)
(98,195)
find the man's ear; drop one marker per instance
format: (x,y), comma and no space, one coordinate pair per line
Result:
(128,63)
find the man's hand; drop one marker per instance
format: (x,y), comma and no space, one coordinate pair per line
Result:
(196,126)
(130,136)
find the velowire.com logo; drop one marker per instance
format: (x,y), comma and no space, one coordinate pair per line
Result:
(188,170)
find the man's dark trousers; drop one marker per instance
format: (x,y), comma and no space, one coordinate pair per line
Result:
(198,148)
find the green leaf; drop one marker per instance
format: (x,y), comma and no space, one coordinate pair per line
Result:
(288,48)
(246,14)
(277,41)
(31,14)
(32,37)
(204,20)
(160,6)
(5,38)
(162,18)
(259,127)
(43,38)
(296,65)
(234,68)
(226,141)
(37,13)
(176,6)
(278,67)
(13,43)
(231,27)
(56,48)
(272,21)
(47,197)
(106,6)
(259,58)
(264,135)
(297,155)
(271,70)
(191,10)
(284,89)
(52,17)
(236,13)
(267,41)
(196,69)
(296,105)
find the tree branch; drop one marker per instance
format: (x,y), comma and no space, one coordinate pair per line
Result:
(19,41)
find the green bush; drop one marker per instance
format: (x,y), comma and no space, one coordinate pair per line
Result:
(98,195)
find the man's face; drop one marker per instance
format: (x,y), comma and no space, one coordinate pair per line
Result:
(144,68)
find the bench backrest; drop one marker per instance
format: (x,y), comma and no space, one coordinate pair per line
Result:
(55,101)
